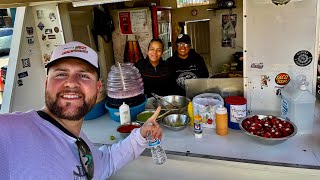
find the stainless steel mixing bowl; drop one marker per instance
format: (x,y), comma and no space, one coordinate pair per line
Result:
(264,140)
(176,122)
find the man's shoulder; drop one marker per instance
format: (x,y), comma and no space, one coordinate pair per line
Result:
(173,60)
(194,54)
(16,116)
(170,59)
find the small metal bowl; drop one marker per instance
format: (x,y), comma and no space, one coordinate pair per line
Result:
(176,122)
(144,116)
(264,140)
(128,127)
(141,118)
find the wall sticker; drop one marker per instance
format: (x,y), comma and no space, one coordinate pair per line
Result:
(257,65)
(40,26)
(303,58)
(29,30)
(23,74)
(282,79)
(26,63)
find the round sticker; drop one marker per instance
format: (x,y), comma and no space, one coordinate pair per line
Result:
(282,79)
(56,29)
(48,45)
(303,58)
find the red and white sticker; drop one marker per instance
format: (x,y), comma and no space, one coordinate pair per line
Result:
(282,79)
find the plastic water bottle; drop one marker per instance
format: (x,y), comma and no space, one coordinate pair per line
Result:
(158,154)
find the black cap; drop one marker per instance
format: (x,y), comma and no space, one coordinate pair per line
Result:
(183,38)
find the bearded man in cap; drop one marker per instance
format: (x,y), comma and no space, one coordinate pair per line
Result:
(48,143)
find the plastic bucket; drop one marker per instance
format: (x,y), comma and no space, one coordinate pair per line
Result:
(97,111)
(237,109)
(134,111)
(205,105)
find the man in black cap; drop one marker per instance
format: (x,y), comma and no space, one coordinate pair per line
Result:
(186,64)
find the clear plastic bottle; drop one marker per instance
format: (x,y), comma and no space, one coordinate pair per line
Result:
(158,154)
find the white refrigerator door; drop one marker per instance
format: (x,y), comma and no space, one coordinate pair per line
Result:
(279,42)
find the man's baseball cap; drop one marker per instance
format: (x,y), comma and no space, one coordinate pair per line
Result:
(183,38)
(77,50)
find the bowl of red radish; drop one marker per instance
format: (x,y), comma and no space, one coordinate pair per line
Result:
(267,129)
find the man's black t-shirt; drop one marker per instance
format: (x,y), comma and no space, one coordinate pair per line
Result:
(190,68)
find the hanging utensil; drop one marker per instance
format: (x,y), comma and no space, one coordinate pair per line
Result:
(161,100)
(156,97)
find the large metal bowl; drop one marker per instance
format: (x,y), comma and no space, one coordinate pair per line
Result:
(180,101)
(264,140)
(176,122)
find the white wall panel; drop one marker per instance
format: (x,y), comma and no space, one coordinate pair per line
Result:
(273,35)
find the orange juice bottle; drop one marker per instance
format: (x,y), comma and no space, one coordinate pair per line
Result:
(221,121)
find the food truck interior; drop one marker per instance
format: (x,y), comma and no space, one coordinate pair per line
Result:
(252,49)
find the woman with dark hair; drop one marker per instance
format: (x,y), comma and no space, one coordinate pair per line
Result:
(155,71)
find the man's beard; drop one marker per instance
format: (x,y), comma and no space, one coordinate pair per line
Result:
(58,111)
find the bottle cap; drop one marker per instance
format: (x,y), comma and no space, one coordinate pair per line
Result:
(303,87)
(221,109)
(197,117)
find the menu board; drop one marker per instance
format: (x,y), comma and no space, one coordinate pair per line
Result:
(134,21)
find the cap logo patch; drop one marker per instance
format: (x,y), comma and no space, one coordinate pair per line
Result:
(180,36)
(75,49)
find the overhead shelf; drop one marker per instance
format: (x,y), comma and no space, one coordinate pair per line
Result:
(220,8)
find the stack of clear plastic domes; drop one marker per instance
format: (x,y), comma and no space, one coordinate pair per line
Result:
(124,84)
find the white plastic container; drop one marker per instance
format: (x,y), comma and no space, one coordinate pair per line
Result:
(205,105)
(297,105)
(124,111)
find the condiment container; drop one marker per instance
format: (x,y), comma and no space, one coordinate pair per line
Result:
(190,112)
(197,126)
(221,120)
(237,109)
(124,111)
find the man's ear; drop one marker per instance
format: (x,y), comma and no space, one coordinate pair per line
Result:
(99,86)
(46,83)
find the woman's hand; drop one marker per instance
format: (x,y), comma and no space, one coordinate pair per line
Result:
(152,125)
